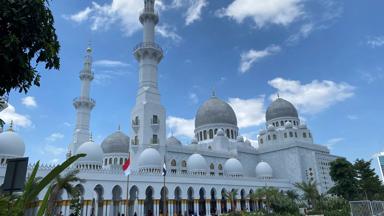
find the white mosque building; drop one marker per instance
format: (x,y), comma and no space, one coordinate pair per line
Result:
(198,173)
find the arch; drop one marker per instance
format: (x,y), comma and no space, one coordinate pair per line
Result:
(148,202)
(210,134)
(212,169)
(290,134)
(173,162)
(190,203)
(304,135)
(274,136)
(205,134)
(110,161)
(251,201)
(97,201)
(116,200)
(223,201)
(202,206)
(232,134)
(242,200)
(201,135)
(220,168)
(213,202)
(227,132)
(215,131)
(163,198)
(133,200)
(177,203)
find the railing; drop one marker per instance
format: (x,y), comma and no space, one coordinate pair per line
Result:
(84,99)
(367,208)
(151,45)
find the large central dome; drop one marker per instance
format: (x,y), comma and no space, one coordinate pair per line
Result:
(215,111)
(280,108)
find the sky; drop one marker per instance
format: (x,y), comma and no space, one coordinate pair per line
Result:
(326,57)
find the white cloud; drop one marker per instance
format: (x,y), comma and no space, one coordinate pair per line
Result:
(250,57)
(249,112)
(110,63)
(181,126)
(67,124)
(194,98)
(29,102)
(375,41)
(312,97)
(167,31)
(9,114)
(53,150)
(104,77)
(194,11)
(304,31)
(330,143)
(54,137)
(279,12)
(81,15)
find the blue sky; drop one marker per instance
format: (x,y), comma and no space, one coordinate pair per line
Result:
(324,56)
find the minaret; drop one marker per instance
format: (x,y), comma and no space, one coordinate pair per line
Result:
(148,115)
(83,105)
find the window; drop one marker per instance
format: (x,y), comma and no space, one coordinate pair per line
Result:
(296,134)
(201,135)
(155,139)
(115,161)
(274,136)
(282,123)
(228,133)
(183,164)
(261,141)
(277,124)
(232,134)
(269,137)
(285,135)
(136,142)
(173,162)
(290,134)
(105,161)
(110,160)
(212,166)
(210,134)
(155,119)
(121,161)
(205,135)
(136,121)
(273,124)
(220,167)
(309,134)
(304,135)
(215,131)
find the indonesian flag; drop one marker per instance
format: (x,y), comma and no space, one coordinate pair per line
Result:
(127,167)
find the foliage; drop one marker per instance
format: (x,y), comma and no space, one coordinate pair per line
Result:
(344,176)
(16,205)
(231,197)
(26,33)
(62,183)
(369,185)
(75,205)
(335,206)
(310,192)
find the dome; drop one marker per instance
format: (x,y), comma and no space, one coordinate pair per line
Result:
(117,142)
(150,158)
(233,167)
(288,125)
(264,170)
(11,144)
(271,127)
(196,163)
(215,111)
(280,108)
(173,141)
(93,151)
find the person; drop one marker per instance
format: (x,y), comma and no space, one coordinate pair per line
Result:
(135,214)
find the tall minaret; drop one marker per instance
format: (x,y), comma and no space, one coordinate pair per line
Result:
(83,105)
(148,115)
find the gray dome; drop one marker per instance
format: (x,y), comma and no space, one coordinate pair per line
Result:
(281,108)
(215,111)
(11,144)
(117,142)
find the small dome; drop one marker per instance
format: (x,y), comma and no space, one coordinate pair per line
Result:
(11,144)
(303,126)
(233,167)
(280,108)
(220,132)
(196,163)
(271,127)
(215,111)
(240,139)
(117,142)
(173,141)
(93,151)
(149,158)
(288,124)
(264,170)
(262,132)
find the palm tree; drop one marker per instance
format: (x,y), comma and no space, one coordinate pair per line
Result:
(310,191)
(292,194)
(231,197)
(62,182)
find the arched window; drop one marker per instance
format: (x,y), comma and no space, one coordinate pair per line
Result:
(136,140)
(173,162)
(232,135)
(295,134)
(121,161)
(220,168)
(290,134)
(281,123)
(201,135)
(110,160)
(285,135)
(274,136)
(304,135)
(261,141)
(205,135)
(228,133)
(115,161)
(212,171)
(269,137)
(273,123)
(277,124)
(210,134)
(183,164)
(215,131)
(105,161)
(309,134)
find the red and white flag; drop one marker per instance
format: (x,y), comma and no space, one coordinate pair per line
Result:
(127,166)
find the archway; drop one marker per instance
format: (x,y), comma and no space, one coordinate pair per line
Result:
(116,199)
(242,200)
(148,202)
(133,200)
(251,201)
(97,201)
(202,206)
(163,210)
(177,204)
(190,201)
(213,201)
(223,201)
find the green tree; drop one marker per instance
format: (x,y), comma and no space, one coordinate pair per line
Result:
(368,183)
(344,176)
(231,197)
(310,192)
(75,205)
(62,182)
(27,34)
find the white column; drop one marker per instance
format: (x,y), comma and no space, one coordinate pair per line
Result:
(247,205)
(208,206)
(196,206)
(183,206)
(218,206)
(238,205)
(105,207)
(156,207)
(170,207)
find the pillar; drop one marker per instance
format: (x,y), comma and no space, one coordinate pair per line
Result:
(105,207)
(208,206)
(183,206)
(156,207)
(247,207)
(238,205)
(196,206)
(170,207)
(218,206)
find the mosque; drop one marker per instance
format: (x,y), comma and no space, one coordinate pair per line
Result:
(199,173)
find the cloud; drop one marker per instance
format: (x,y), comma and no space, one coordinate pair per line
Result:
(312,97)
(53,150)
(372,75)
(9,114)
(249,112)
(29,102)
(352,117)
(304,31)
(67,124)
(375,41)
(104,77)
(110,63)
(81,15)
(262,12)
(330,143)
(54,137)
(194,11)
(181,126)
(167,31)
(193,98)
(250,57)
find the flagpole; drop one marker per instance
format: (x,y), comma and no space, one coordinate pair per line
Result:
(164,194)
(127,204)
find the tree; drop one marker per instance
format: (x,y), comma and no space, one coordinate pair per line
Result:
(368,183)
(75,205)
(310,192)
(231,197)
(62,183)
(27,34)
(344,176)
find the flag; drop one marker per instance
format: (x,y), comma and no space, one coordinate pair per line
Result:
(127,166)
(164,173)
